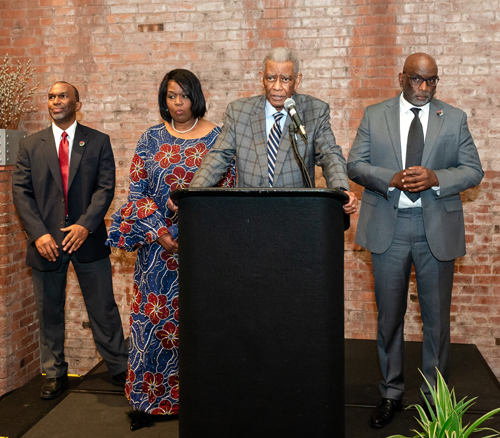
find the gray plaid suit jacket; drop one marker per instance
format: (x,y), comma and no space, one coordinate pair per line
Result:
(244,136)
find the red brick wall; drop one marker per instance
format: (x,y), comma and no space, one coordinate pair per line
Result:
(19,351)
(351,53)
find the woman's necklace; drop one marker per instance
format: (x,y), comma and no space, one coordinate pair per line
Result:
(184,132)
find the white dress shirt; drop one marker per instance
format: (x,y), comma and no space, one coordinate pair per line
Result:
(58,137)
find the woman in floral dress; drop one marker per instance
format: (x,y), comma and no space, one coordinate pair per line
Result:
(165,159)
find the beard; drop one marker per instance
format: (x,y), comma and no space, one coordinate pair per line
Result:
(58,116)
(417,97)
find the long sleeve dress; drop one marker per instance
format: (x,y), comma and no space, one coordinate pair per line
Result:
(161,164)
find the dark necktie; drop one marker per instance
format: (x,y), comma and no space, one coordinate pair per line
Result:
(272,146)
(64,165)
(414,147)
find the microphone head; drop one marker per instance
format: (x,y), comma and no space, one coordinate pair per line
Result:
(288,103)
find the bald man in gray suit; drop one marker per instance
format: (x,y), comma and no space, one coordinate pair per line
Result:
(411,214)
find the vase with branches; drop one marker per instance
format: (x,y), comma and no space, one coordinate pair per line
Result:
(14,94)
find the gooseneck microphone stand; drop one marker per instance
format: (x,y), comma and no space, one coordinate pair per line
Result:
(293,129)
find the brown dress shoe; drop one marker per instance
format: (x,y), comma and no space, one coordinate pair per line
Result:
(383,414)
(53,387)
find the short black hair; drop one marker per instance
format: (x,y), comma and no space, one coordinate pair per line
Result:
(77,94)
(191,86)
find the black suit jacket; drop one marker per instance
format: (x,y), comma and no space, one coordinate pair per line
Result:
(39,199)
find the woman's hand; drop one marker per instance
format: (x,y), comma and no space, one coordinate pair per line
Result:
(168,243)
(172,205)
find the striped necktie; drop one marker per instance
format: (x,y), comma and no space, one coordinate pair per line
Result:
(272,146)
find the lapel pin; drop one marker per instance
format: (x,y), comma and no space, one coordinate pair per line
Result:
(82,143)
(440,113)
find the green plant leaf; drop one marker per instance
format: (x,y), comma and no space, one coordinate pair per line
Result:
(421,412)
(474,426)
(433,430)
(447,421)
(445,428)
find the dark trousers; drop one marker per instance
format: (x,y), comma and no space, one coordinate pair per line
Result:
(97,290)
(391,273)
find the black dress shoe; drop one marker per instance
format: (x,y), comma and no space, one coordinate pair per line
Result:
(383,414)
(119,379)
(53,387)
(138,419)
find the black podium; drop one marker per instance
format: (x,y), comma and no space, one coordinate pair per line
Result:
(261,313)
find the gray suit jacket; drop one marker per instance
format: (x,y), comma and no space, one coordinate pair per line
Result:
(244,136)
(376,156)
(39,199)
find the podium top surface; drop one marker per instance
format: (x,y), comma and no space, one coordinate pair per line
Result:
(336,194)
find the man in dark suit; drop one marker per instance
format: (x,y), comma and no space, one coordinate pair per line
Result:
(414,155)
(63,184)
(249,124)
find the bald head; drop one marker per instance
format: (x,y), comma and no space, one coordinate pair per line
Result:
(420,61)
(418,66)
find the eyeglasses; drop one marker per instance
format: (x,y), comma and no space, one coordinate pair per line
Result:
(416,81)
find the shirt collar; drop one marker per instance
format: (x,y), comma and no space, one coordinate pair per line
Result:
(70,131)
(406,106)
(271,110)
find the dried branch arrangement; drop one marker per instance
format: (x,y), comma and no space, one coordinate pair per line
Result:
(13,93)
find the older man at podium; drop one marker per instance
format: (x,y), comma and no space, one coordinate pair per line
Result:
(258,132)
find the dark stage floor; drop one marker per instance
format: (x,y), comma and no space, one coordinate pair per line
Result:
(92,407)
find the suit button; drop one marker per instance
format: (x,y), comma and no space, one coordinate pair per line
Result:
(62,222)
(62,200)
(395,206)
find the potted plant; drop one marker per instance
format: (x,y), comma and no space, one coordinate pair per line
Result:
(445,419)
(13,99)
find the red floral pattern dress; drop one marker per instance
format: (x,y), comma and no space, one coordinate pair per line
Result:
(161,163)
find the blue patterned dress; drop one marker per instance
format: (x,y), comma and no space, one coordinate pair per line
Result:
(161,164)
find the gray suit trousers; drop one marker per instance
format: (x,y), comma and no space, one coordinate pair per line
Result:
(391,272)
(97,289)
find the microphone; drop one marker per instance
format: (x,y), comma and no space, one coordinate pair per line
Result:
(290,107)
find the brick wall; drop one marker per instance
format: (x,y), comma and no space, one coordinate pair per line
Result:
(19,352)
(117,51)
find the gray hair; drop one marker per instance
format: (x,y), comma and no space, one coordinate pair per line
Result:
(282,54)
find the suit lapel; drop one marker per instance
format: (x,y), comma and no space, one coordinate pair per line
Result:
(79,145)
(50,153)
(392,119)
(433,127)
(258,125)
